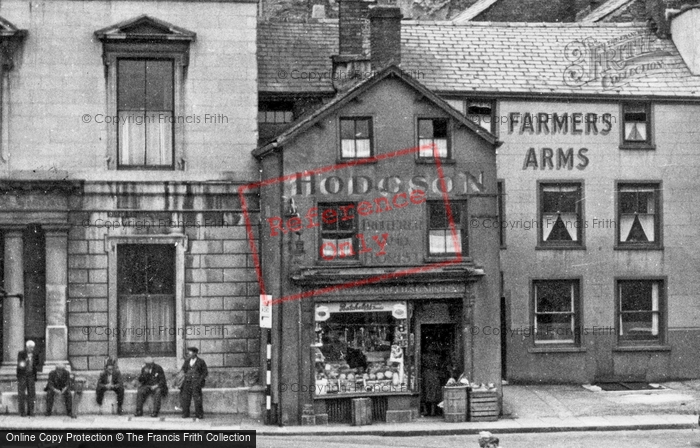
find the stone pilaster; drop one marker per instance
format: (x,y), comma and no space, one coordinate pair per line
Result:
(13,306)
(56,296)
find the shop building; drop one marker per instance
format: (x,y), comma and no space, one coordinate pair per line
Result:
(374,294)
(595,176)
(121,229)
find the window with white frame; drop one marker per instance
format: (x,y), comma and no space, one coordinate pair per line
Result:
(640,310)
(636,125)
(433,138)
(146,299)
(481,112)
(355,138)
(446,232)
(556,313)
(638,214)
(145,110)
(561,214)
(338,231)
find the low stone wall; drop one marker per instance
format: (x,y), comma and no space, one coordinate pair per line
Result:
(216,401)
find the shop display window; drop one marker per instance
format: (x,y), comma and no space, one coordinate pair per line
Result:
(363,348)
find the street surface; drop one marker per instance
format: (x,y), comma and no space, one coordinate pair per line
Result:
(607,439)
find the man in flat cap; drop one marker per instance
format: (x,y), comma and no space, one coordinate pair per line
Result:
(152,382)
(195,370)
(27,363)
(110,379)
(59,384)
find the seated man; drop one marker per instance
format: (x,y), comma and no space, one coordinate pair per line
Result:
(59,383)
(152,381)
(110,379)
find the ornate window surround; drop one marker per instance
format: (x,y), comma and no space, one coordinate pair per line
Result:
(145,37)
(112,248)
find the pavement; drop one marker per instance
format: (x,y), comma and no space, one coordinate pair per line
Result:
(526,409)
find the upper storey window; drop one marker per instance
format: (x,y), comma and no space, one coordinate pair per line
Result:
(145,60)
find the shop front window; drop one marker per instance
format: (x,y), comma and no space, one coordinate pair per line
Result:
(362,348)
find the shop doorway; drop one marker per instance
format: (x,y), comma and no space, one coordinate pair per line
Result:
(437,364)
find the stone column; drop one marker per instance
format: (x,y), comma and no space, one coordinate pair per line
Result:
(13,306)
(56,295)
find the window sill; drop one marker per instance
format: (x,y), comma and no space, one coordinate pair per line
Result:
(640,247)
(560,247)
(639,146)
(642,348)
(432,161)
(324,263)
(443,259)
(358,161)
(146,167)
(556,349)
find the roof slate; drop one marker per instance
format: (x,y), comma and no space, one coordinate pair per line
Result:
(513,58)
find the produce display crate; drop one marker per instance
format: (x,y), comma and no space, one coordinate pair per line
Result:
(483,406)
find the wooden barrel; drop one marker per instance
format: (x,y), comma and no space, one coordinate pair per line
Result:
(454,404)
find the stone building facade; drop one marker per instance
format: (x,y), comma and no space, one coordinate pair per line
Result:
(119,165)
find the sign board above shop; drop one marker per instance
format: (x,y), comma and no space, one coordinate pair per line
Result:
(324,311)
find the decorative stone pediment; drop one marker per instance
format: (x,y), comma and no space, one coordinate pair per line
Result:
(145,28)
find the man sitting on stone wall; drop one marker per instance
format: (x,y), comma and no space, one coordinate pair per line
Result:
(59,383)
(110,379)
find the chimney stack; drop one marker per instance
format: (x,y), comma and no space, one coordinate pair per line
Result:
(352,15)
(656,12)
(385,36)
(351,64)
(684,24)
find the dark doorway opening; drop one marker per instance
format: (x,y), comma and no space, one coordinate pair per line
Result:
(437,364)
(35,287)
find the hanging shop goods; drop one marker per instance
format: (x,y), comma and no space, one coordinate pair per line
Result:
(361,348)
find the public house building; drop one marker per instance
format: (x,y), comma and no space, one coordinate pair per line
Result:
(597,173)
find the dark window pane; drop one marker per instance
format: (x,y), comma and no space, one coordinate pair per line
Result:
(159,85)
(440,128)
(635,296)
(550,201)
(362,128)
(347,129)
(645,202)
(131,84)
(438,215)
(329,218)
(160,269)
(346,221)
(554,297)
(425,129)
(628,202)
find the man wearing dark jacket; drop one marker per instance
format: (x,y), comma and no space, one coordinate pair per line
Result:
(27,363)
(59,383)
(110,379)
(152,381)
(195,370)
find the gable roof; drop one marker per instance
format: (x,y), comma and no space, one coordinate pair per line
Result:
(145,27)
(473,11)
(487,58)
(604,10)
(8,29)
(339,101)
